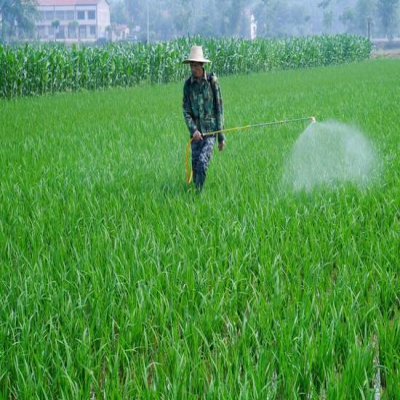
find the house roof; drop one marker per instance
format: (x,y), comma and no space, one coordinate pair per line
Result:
(68,2)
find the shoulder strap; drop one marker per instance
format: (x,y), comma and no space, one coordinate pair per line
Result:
(212,78)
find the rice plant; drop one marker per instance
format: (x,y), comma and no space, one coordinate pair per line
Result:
(118,281)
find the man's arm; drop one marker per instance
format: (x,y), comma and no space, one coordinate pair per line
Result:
(219,108)
(187,110)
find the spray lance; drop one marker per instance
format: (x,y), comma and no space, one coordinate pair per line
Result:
(189,171)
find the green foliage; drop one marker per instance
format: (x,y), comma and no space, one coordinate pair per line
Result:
(118,282)
(13,12)
(31,70)
(387,11)
(356,18)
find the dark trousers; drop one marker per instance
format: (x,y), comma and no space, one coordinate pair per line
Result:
(201,155)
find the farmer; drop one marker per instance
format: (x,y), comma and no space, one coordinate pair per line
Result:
(203,113)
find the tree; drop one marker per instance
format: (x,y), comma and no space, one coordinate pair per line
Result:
(280,18)
(118,12)
(266,14)
(387,11)
(334,11)
(17,13)
(364,11)
(348,19)
(73,27)
(55,24)
(291,19)
(136,11)
(328,16)
(356,18)
(235,12)
(328,20)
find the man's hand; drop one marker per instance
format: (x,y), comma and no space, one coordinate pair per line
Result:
(197,135)
(221,145)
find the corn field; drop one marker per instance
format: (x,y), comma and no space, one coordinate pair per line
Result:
(36,69)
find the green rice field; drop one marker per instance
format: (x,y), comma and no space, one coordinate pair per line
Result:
(119,281)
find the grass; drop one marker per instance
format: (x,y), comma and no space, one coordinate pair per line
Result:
(118,281)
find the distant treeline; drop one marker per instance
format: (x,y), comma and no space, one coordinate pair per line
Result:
(48,68)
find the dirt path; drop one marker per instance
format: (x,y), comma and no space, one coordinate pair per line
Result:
(381,53)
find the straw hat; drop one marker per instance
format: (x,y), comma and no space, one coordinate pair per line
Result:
(196,55)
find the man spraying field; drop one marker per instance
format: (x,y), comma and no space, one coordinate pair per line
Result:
(203,112)
(204,116)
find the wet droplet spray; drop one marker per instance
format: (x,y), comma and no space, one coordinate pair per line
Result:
(330,154)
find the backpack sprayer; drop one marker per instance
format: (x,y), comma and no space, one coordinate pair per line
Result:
(189,171)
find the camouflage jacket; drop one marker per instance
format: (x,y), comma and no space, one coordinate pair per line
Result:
(202,105)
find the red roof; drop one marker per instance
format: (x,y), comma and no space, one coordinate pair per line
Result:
(68,2)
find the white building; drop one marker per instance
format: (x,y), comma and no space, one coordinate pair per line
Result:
(73,20)
(253,27)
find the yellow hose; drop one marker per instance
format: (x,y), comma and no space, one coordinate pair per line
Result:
(189,171)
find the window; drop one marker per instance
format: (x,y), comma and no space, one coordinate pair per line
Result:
(51,30)
(71,32)
(92,31)
(91,14)
(49,15)
(69,15)
(42,16)
(82,32)
(60,15)
(61,32)
(81,15)
(40,29)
